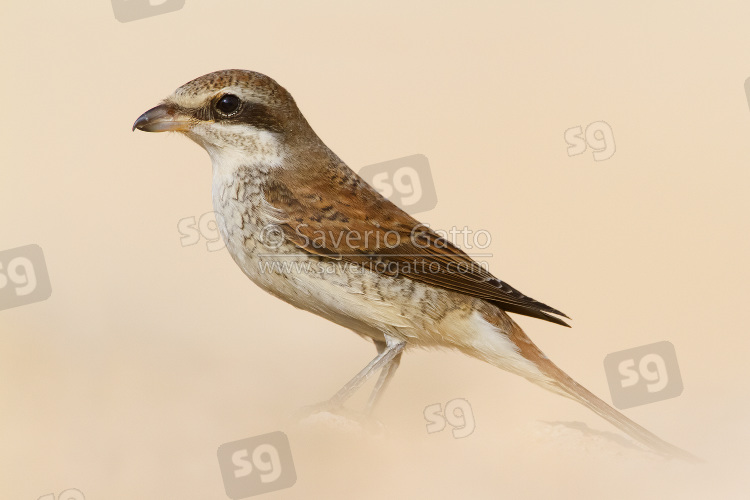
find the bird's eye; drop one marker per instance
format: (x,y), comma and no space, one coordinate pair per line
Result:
(228,105)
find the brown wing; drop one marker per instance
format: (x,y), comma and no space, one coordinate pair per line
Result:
(333,213)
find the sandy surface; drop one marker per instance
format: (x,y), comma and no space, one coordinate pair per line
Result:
(149,355)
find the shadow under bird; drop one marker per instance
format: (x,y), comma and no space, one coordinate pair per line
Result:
(307,229)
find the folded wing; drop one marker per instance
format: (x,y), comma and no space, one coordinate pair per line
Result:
(361,226)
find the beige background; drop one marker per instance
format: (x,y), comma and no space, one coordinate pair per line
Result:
(149,355)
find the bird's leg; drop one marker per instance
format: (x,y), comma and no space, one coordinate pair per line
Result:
(390,351)
(389,354)
(386,374)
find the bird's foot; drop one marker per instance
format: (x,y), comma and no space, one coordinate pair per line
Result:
(322,407)
(330,415)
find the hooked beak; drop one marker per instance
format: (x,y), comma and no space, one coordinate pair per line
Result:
(162,118)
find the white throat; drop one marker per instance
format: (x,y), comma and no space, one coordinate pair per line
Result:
(233,146)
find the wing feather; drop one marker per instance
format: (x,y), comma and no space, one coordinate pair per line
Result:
(360,226)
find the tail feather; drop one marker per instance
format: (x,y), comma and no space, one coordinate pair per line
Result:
(554,379)
(562,383)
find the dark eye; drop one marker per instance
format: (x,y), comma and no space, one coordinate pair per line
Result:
(228,105)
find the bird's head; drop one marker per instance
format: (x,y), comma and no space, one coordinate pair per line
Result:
(235,115)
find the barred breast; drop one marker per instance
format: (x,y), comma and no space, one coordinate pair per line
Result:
(369,303)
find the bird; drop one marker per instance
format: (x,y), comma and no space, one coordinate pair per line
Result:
(307,229)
